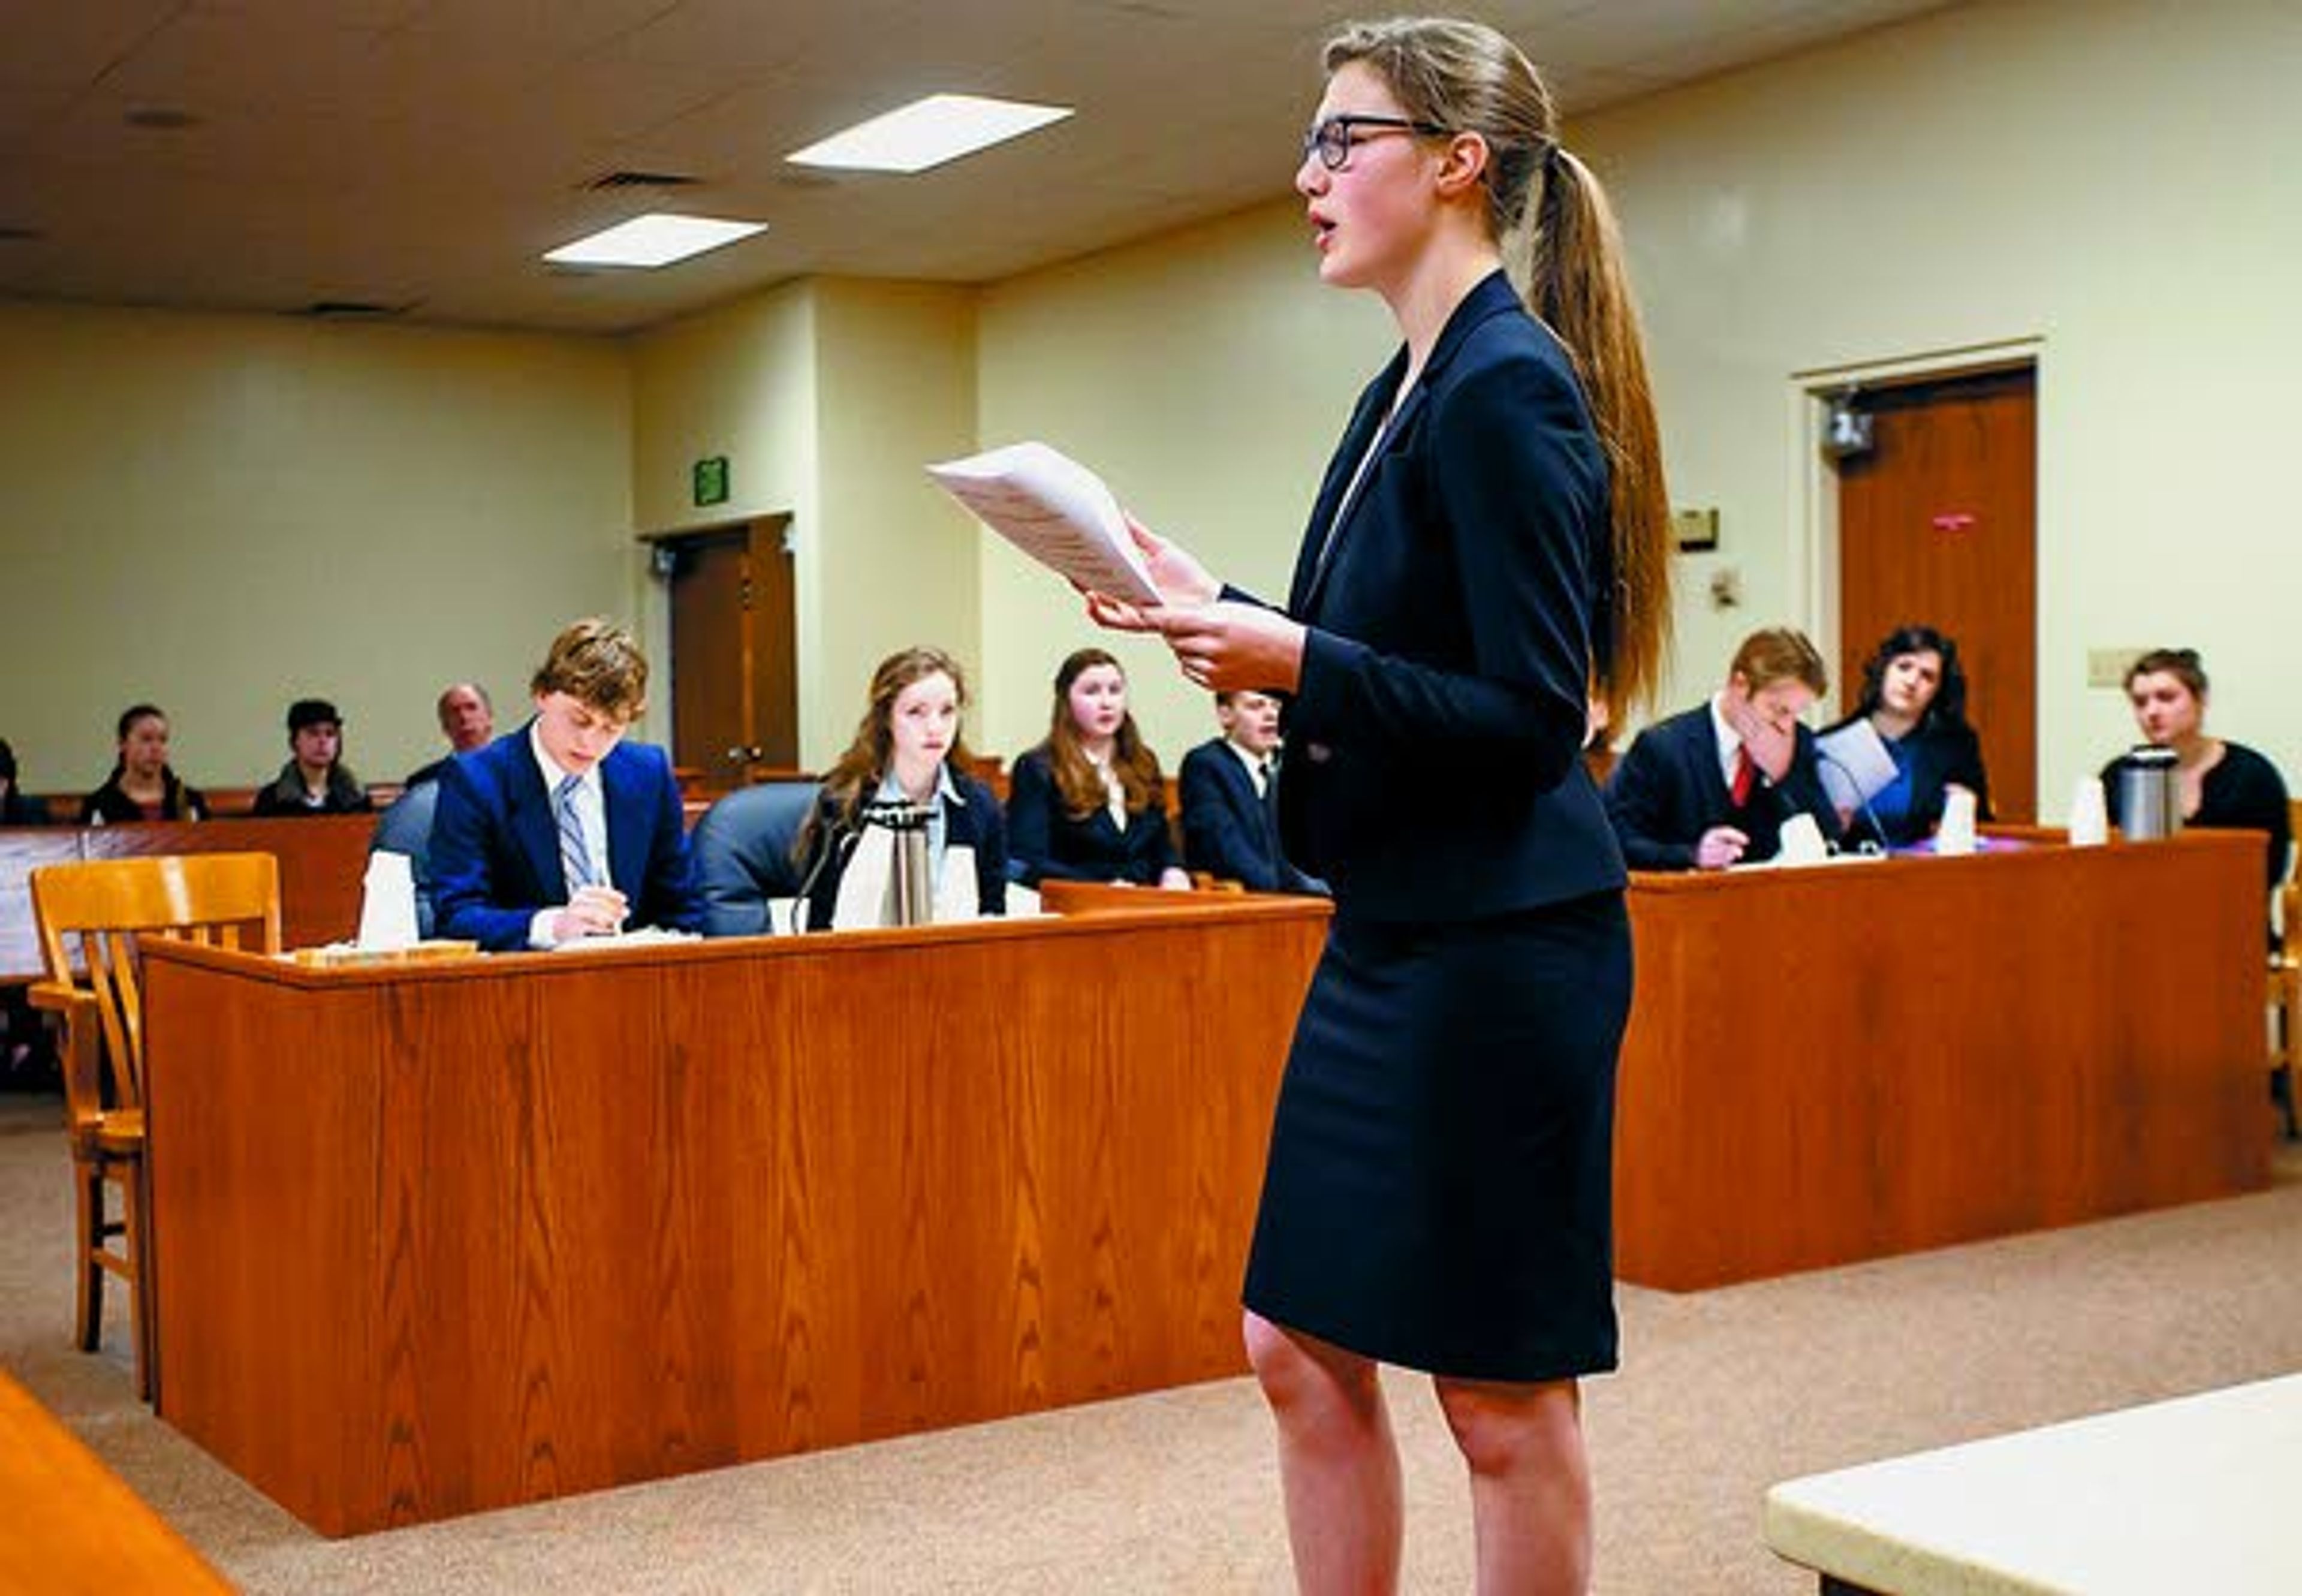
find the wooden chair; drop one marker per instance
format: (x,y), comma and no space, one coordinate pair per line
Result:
(90,918)
(2285,988)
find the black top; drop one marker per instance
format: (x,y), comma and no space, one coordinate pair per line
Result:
(2242,792)
(973,822)
(1435,740)
(1669,789)
(1942,754)
(22,809)
(1046,843)
(109,806)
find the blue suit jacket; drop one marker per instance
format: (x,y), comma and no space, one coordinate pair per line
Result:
(1229,831)
(1669,789)
(495,845)
(1433,764)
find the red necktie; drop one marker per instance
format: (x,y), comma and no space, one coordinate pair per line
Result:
(1745,772)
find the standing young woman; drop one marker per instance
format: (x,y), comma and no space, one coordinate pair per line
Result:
(904,751)
(1090,804)
(1487,554)
(141,785)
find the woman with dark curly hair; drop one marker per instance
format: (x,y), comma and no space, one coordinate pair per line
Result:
(1914,697)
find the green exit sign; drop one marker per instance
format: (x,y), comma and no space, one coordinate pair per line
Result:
(712,480)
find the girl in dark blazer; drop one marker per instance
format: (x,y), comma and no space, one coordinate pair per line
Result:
(907,749)
(1489,550)
(1914,696)
(1088,804)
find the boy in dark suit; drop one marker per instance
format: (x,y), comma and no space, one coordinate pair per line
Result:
(562,829)
(1230,816)
(1712,786)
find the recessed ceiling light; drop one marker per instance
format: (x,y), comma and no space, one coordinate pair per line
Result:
(928,132)
(655,240)
(161,119)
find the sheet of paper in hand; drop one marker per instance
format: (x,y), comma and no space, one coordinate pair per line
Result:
(1056,510)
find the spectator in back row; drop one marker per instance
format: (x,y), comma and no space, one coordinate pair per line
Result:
(15,808)
(315,781)
(1712,786)
(1090,804)
(467,719)
(141,785)
(1228,792)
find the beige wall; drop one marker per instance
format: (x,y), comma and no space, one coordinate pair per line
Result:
(240,509)
(2113,180)
(827,396)
(1205,374)
(220,513)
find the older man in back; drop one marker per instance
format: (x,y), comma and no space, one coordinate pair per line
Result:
(467,719)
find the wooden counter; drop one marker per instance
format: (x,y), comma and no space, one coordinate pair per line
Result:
(1851,1060)
(460,1236)
(70,1527)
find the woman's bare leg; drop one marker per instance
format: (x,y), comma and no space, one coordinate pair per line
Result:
(1337,1462)
(1530,1483)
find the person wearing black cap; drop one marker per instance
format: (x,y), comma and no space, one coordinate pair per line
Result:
(315,781)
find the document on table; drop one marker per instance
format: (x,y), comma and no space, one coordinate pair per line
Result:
(1056,510)
(1854,764)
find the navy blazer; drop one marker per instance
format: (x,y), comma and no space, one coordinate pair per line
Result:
(1046,843)
(1669,789)
(973,822)
(495,843)
(1434,761)
(1229,831)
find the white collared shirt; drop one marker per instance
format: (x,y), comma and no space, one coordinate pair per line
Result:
(1730,741)
(1258,767)
(590,803)
(946,791)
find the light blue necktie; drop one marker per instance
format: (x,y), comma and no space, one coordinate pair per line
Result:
(574,853)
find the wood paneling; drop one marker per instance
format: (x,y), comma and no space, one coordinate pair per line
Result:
(74,1529)
(464,1235)
(1830,1064)
(323,860)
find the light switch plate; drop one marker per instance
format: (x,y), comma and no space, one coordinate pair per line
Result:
(2107,668)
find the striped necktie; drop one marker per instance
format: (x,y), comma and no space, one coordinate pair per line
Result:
(574,853)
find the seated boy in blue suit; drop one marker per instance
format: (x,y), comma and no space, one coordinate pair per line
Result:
(1712,786)
(562,829)
(1230,816)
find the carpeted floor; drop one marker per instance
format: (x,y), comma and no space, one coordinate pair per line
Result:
(1722,1393)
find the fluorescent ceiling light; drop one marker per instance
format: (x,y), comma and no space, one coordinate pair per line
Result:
(928,132)
(655,240)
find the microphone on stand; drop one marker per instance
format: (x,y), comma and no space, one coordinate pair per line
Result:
(1879,843)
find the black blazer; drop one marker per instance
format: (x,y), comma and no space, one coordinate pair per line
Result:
(1433,764)
(1046,843)
(1667,790)
(1940,754)
(973,822)
(1229,831)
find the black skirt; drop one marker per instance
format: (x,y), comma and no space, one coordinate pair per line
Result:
(1439,1193)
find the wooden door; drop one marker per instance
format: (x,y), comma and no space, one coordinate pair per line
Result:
(1937,525)
(734,664)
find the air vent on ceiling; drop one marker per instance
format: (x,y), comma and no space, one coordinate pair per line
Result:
(611,180)
(20,235)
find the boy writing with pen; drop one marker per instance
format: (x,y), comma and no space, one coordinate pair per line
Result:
(562,830)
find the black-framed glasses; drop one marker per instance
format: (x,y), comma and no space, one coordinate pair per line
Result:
(1332,138)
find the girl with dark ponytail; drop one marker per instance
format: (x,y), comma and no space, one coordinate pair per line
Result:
(1486,566)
